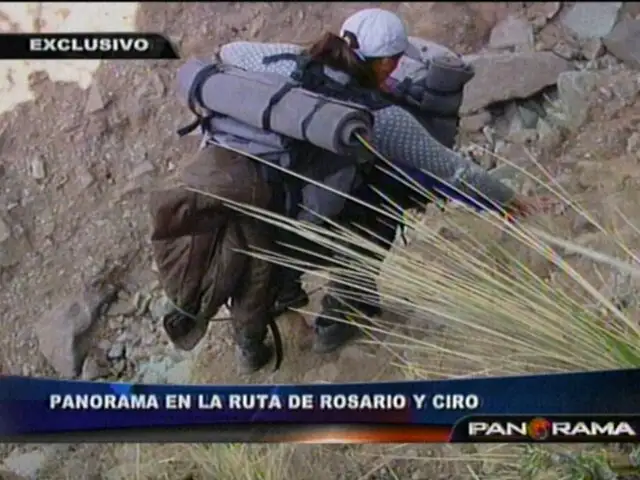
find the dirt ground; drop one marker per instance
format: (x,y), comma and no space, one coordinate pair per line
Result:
(99,166)
(91,203)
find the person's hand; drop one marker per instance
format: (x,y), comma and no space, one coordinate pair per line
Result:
(522,206)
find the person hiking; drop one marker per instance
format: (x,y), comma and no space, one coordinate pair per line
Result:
(199,245)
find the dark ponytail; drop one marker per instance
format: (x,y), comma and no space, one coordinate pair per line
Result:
(338,53)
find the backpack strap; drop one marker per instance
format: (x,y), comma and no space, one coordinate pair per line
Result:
(195,98)
(279,57)
(273,101)
(311,76)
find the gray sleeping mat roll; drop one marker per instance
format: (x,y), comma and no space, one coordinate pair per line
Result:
(272,102)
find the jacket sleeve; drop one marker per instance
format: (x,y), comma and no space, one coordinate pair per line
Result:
(400,138)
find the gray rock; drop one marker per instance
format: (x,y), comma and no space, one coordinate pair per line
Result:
(14,245)
(92,369)
(528,116)
(95,101)
(624,86)
(525,136)
(153,370)
(592,19)
(142,168)
(548,135)
(517,155)
(511,32)
(547,10)
(633,144)
(163,369)
(501,77)
(116,351)
(624,42)
(575,92)
(592,49)
(515,120)
(160,307)
(84,178)
(181,372)
(475,122)
(65,333)
(482,156)
(118,368)
(5,231)
(504,120)
(582,224)
(609,62)
(38,169)
(566,51)
(122,307)
(489,134)
(28,464)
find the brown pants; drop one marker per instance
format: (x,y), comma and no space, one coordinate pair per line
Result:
(200,243)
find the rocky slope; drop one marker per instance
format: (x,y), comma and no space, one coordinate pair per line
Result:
(559,80)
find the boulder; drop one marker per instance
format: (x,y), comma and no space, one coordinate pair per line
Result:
(544,10)
(575,91)
(511,32)
(65,333)
(624,42)
(502,77)
(591,19)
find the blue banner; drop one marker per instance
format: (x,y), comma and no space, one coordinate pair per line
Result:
(45,410)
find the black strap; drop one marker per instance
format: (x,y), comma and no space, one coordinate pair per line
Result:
(194,98)
(280,56)
(273,101)
(403,87)
(311,75)
(307,120)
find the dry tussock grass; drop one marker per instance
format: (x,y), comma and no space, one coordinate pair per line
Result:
(483,297)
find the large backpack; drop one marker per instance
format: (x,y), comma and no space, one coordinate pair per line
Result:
(431,88)
(296,133)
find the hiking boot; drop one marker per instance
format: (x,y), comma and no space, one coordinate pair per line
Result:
(292,295)
(331,335)
(184,332)
(251,359)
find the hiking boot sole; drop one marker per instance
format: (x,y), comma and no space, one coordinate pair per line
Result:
(330,343)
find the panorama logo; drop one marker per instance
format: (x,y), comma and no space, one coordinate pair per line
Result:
(539,429)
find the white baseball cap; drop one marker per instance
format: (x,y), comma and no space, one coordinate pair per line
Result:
(379,33)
